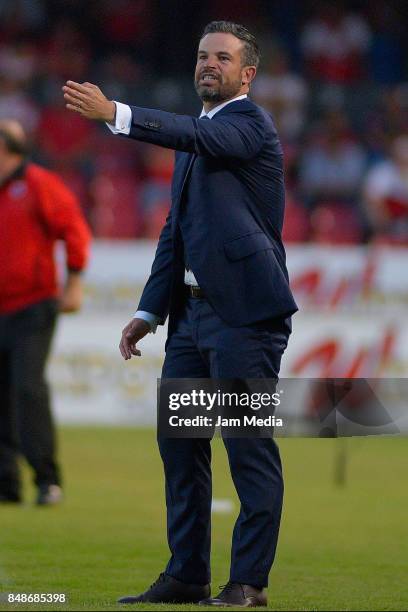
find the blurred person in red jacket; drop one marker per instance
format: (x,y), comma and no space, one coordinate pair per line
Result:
(385,194)
(36,210)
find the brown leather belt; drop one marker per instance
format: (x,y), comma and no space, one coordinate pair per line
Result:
(196,292)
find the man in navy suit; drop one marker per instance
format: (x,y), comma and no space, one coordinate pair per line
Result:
(219,274)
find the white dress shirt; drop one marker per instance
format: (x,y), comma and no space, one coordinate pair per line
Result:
(123,122)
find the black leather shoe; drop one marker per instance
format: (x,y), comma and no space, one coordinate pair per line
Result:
(237,595)
(169,590)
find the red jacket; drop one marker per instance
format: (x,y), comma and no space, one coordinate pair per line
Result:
(36,209)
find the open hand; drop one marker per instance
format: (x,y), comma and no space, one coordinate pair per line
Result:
(131,334)
(89,101)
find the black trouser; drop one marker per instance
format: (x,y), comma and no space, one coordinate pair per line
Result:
(26,424)
(204,346)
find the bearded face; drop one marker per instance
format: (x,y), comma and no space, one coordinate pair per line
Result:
(212,86)
(218,74)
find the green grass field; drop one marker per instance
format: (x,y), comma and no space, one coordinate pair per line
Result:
(341,547)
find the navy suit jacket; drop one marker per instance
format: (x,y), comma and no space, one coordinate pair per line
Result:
(226,214)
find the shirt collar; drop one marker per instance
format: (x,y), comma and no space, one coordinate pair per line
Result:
(214,110)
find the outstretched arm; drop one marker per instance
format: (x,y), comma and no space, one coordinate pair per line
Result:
(235,135)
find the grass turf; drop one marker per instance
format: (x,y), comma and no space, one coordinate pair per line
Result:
(341,547)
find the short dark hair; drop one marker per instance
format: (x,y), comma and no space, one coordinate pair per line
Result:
(250,53)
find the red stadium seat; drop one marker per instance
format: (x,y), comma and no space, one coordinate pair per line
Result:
(116,211)
(335,223)
(296,227)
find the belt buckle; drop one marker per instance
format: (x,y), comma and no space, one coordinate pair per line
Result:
(195,291)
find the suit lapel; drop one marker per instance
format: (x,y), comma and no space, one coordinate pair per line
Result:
(184,163)
(188,162)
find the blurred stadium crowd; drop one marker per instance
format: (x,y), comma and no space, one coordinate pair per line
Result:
(333,74)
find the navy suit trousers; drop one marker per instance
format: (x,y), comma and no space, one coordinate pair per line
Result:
(204,346)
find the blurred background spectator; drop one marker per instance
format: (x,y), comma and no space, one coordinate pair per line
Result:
(335,44)
(333,75)
(386,194)
(282,92)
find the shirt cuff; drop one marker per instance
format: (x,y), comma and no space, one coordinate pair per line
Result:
(152,319)
(123,119)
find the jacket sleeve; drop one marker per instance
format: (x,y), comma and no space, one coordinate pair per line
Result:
(61,214)
(156,294)
(236,135)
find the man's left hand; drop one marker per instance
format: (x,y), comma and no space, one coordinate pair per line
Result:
(89,101)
